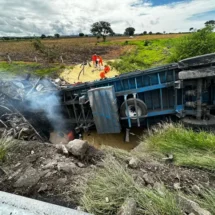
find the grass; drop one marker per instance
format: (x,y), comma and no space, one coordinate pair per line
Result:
(146,54)
(5,145)
(35,68)
(206,200)
(189,148)
(115,184)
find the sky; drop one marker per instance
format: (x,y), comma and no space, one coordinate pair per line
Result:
(68,17)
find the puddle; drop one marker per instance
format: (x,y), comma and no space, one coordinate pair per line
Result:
(97,140)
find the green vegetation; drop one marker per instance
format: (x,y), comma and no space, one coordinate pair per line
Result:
(144,54)
(35,68)
(113,184)
(5,144)
(206,200)
(188,147)
(197,43)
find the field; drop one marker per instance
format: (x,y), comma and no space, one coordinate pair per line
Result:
(73,50)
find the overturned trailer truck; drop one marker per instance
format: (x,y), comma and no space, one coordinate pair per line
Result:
(183,90)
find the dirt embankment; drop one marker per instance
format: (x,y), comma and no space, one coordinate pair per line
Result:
(47,172)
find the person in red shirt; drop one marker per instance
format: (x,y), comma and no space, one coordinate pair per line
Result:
(100,61)
(105,71)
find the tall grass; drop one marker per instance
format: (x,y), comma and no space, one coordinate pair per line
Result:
(190,148)
(112,185)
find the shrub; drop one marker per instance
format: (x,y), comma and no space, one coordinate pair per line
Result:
(197,43)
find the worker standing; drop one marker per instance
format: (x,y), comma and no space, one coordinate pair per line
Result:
(94,59)
(100,61)
(105,71)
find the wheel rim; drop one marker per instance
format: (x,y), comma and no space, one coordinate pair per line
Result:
(133,112)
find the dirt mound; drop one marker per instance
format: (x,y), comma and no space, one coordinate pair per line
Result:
(41,171)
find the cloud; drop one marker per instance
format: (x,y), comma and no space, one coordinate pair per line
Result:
(66,17)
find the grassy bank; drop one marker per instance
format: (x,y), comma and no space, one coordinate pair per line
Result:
(111,185)
(188,147)
(145,54)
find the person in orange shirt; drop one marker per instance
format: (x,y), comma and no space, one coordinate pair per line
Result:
(94,59)
(100,61)
(105,71)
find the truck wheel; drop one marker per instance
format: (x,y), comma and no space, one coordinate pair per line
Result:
(132,111)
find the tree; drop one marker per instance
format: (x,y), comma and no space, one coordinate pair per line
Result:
(57,35)
(144,32)
(150,33)
(210,23)
(102,29)
(43,36)
(191,29)
(81,34)
(129,31)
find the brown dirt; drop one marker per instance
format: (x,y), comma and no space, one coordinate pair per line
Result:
(73,50)
(62,188)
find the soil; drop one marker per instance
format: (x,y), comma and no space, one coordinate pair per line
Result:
(50,184)
(54,186)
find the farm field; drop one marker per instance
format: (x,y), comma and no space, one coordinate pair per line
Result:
(74,50)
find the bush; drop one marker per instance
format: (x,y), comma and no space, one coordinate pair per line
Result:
(197,43)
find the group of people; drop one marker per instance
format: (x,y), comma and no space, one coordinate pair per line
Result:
(98,63)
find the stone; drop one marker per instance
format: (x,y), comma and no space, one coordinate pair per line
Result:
(133,163)
(160,188)
(148,179)
(177,186)
(28,179)
(81,165)
(196,189)
(78,147)
(64,149)
(128,208)
(50,165)
(189,206)
(66,167)
(62,181)
(43,188)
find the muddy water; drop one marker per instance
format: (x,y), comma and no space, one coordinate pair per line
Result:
(97,140)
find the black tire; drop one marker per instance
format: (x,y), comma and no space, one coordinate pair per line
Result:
(142,108)
(197,61)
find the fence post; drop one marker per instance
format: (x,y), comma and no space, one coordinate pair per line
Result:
(61,58)
(9,58)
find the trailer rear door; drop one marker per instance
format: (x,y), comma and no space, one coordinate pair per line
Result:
(104,108)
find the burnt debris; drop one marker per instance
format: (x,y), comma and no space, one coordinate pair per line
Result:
(28,108)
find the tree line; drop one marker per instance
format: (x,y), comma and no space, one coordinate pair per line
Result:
(103,29)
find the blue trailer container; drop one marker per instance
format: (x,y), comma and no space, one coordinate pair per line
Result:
(184,90)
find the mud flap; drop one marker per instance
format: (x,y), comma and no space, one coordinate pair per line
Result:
(105,111)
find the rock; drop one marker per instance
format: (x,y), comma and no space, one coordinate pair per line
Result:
(66,167)
(32,152)
(62,181)
(81,165)
(43,188)
(177,186)
(28,179)
(190,206)
(148,179)
(133,163)
(77,147)
(196,189)
(128,207)
(64,149)
(50,165)
(160,188)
